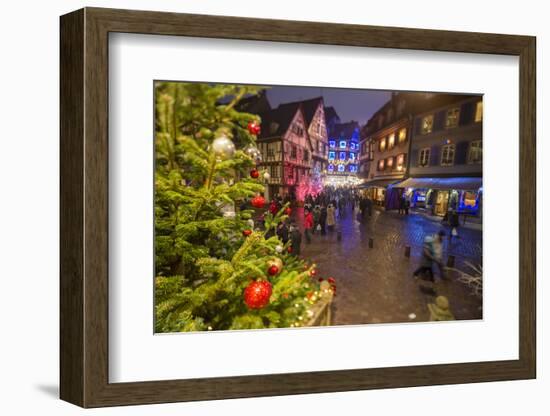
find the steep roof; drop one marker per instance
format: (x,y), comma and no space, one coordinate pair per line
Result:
(331,113)
(254,103)
(309,107)
(276,122)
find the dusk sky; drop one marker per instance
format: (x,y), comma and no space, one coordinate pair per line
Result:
(350,104)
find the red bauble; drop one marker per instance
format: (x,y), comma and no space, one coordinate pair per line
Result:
(273,270)
(258,201)
(313,273)
(331,280)
(289,249)
(254,128)
(246,233)
(321,279)
(288,211)
(254,173)
(257,294)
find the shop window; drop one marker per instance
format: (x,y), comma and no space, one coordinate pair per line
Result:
(427,124)
(424,157)
(391,141)
(469,200)
(402,136)
(475,152)
(448,155)
(451,120)
(479,111)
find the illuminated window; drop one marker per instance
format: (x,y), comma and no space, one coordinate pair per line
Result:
(382,144)
(469,200)
(353,168)
(332,144)
(341,168)
(424,157)
(479,111)
(402,137)
(427,124)
(448,155)
(475,152)
(451,120)
(342,144)
(342,155)
(400,162)
(381,164)
(331,155)
(331,168)
(389,162)
(352,156)
(391,141)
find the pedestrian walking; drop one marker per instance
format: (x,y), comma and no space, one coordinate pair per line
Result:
(295,239)
(282,231)
(316,215)
(331,217)
(453,223)
(308,225)
(323,220)
(431,253)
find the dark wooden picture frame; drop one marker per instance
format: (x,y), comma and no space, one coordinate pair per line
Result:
(84,207)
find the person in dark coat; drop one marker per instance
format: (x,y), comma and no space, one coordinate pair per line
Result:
(282,232)
(295,239)
(453,223)
(323,220)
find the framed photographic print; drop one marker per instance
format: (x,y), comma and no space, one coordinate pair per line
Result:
(255,207)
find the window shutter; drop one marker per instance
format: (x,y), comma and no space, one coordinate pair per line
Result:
(434,156)
(466,113)
(439,120)
(461,153)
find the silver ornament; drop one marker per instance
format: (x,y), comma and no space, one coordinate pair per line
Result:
(279,249)
(267,176)
(253,152)
(223,147)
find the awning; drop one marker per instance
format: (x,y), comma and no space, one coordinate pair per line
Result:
(378,183)
(462,184)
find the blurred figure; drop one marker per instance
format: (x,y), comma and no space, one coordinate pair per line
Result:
(431,253)
(295,239)
(331,217)
(323,220)
(308,224)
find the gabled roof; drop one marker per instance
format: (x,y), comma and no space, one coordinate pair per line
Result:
(309,107)
(254,103)
(276,122)
(331,113)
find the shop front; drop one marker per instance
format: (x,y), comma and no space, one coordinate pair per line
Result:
(437,196)
(380,191)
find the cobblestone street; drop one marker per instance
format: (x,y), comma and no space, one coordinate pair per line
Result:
(375,285)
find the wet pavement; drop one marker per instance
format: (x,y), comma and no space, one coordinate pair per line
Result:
(375,285)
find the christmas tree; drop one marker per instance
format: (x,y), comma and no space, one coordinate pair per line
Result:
(214,269)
